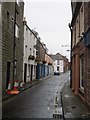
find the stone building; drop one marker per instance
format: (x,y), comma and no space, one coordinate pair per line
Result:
(12,44)
(80,43)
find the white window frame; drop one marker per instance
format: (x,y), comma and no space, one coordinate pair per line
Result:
(81,74)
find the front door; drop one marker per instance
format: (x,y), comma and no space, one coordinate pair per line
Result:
(25,72)
(31,71)
(8,74)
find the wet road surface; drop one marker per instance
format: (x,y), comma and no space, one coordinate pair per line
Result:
(35,102)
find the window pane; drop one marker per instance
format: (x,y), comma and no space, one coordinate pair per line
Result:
(57,62)
(8,17)
(57,68)
(16,31)
(81,72)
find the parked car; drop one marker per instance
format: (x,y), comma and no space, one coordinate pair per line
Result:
(56,73)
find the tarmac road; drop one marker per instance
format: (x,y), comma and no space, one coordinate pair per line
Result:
(35,102)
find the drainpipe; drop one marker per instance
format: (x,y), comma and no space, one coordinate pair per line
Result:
(71,57)
(71,61)
(14,49)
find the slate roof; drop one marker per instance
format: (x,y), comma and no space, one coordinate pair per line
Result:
(58,56)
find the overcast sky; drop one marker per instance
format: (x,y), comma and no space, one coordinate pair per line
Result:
(50,19)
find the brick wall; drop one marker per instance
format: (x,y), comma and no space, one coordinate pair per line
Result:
(89,14)
(80,49)
(88,77)
(86,17)
(86,26)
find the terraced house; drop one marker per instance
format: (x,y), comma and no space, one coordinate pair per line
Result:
(29,63)
(40,58)
(37,63)
(80,33)
(12,44)
(49,67)
(61,63)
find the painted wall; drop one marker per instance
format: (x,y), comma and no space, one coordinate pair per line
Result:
(29,49)
(60,65)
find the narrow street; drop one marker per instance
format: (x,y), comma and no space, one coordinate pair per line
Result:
(35,102)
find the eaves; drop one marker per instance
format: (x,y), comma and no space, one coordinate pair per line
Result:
(76,12)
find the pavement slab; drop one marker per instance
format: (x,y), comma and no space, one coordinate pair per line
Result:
(72,105)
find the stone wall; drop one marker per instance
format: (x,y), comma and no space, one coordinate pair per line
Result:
(8,42)
(0,60)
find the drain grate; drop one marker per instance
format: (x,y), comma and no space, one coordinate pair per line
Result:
(58,113)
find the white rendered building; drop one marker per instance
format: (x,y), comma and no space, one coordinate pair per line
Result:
(59,66)
(29,64)
(58,63)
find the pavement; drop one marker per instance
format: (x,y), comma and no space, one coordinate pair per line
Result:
(72,105)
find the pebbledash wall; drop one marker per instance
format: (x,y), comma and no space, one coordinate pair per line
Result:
(9,9)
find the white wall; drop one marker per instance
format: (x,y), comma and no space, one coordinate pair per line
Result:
(55,65)
(60,65)
(29,42)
